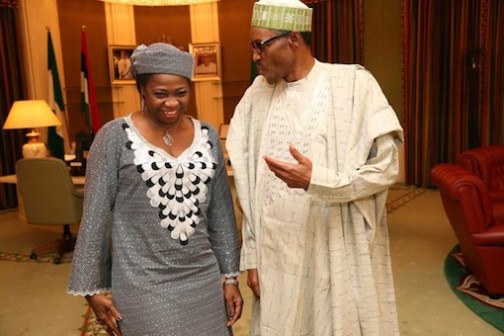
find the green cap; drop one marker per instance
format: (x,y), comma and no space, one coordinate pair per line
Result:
(291,15)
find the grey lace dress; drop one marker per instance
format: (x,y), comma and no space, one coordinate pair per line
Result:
(158,232)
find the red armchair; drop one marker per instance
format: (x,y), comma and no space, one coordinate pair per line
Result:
(468,206)
(488,163)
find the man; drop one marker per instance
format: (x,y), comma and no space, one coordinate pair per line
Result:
(124,66)
(314,150)
(206,65)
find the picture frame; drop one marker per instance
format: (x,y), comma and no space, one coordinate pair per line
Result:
(120,68)
(207,61)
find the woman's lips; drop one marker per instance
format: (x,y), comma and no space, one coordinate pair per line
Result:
(170,114)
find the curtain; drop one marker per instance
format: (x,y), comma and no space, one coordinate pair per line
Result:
(9,3)
(452,80)
(11,89)
(338,30)
(491,72)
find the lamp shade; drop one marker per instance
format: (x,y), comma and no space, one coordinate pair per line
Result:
(30,114)
(158,2)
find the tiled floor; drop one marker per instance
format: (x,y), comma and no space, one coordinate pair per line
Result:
(34,302)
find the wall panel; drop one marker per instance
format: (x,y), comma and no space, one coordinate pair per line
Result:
(234,27)
(72,16)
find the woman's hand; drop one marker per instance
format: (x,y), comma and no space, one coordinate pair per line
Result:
(234,303)
(106,313)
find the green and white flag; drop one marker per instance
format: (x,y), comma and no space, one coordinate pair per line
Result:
(57,138)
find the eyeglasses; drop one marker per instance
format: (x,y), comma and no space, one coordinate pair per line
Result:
(258,46)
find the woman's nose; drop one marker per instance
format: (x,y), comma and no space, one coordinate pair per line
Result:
(171,101)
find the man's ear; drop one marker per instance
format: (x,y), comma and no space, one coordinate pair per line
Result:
(295,38)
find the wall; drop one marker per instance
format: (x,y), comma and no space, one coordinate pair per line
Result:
(383,48)
(234,26)
(383,55)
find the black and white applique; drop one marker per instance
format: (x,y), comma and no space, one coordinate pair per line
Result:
(176,186)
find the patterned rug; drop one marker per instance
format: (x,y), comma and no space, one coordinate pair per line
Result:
(20,257)
(470,291)
(398,196)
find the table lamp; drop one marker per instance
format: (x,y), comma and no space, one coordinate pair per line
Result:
(31,114)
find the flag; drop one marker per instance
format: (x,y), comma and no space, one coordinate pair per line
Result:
(57,138)
(88,96)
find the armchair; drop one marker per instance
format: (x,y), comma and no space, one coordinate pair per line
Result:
(50,198)
(488,163)
(468,206)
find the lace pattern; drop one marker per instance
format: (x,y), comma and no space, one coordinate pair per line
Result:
(177,186)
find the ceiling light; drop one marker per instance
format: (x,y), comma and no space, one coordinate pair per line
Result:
(159,2)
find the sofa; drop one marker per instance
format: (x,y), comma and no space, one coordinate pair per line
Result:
(468,206)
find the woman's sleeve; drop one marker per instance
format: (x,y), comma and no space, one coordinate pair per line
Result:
(221,217)
(91,266)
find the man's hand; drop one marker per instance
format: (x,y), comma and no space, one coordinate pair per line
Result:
(253,282)
(296,175)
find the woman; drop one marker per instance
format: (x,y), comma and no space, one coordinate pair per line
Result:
(158,227)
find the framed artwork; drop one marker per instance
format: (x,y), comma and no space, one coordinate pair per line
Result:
(120,66)
(207,61)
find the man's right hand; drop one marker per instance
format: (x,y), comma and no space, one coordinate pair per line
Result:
(253,282)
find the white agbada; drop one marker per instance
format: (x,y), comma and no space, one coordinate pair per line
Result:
(322,255)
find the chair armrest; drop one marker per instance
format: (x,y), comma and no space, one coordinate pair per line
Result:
(493,236)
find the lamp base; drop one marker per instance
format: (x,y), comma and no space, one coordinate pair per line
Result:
(34,148)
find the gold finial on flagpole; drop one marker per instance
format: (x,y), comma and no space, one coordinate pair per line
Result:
(83,28)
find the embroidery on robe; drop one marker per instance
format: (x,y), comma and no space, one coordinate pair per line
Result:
(176,186)
(279,136)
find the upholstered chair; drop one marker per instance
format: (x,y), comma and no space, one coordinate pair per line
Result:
(468,206)
(487,162)
(50,198)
